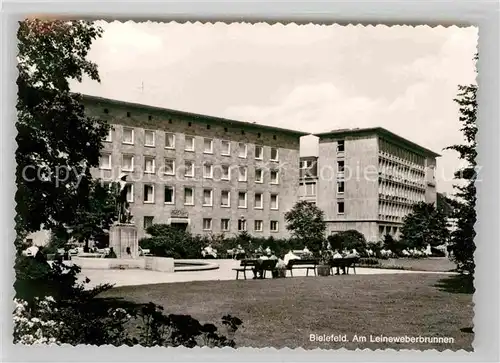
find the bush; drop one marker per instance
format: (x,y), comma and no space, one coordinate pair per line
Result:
(348,240)
(168,241)
(35,278)
(95,322)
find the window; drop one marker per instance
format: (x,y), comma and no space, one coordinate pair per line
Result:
(208,171)
(224,224)
(169,167)
(242,150)
(188,196)
(259,204)
(259,176)
(169,140)
(207,224)
(225,198)
(109,135)
(225,148)
(310,189)
(274,226)
(127,163)
(189,143)
(258,226)
(207,197)
(189,168)
(128,136)
(148,221)
(225,172)
(340,146)
(340,187)
(149,193)
(242,200)
(169,194)
(149,138)
(149,164)
(242,225)
(274,201)
(259,152)
(274,176)
(242,177)
(340,207)
(340,166)
(130,192)
(208,146)
(105,162)
(274,154)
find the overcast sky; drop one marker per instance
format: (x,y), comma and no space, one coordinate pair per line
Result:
(311,78)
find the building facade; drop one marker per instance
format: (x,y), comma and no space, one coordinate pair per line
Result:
(200,173)
(369,179)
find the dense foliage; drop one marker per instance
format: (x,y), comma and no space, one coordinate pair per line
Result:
(462,244)
(97,214)
(348,240)
(306,222)
(57,142)
(424,225)
(52,307)
(167,241)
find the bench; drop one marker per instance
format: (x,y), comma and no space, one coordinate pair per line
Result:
(245,265)
(308,264)
(263,265)
(344,263)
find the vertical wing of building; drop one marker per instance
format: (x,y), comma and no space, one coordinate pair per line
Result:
(370,178)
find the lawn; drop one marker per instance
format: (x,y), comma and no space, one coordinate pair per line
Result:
(284,312)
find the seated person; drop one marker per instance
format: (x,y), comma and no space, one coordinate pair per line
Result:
(258,270)
(337,255)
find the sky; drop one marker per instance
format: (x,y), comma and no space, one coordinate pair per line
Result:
(311,78)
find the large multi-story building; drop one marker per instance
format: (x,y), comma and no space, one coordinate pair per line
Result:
(202,173)
(369,179)
(214,175)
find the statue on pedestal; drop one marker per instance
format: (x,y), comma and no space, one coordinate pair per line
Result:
(124,215)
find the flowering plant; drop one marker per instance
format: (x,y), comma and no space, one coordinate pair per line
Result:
(36,325)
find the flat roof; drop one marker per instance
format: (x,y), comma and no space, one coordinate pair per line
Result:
(194,116)
(377,131)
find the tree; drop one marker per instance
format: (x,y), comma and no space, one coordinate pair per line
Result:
(462,245)
(57,142)
(425,225)
(94,218)
(306,222)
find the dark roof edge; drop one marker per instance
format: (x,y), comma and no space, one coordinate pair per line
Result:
(190,114)
(378,131)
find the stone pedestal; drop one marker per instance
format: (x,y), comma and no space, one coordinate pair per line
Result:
(123,237)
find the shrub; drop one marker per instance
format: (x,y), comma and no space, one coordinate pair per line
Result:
(95,322)
(168,241)
(350,239)
(35,278)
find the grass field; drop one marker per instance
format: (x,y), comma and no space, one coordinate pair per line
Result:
(284,312)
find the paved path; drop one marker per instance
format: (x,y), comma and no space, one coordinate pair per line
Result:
(225,272)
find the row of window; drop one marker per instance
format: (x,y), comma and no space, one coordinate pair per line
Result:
(168,168)
(224,195)
(225,224)
(189,144)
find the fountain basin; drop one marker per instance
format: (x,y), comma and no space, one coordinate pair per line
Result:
(194,265)
(161,264)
